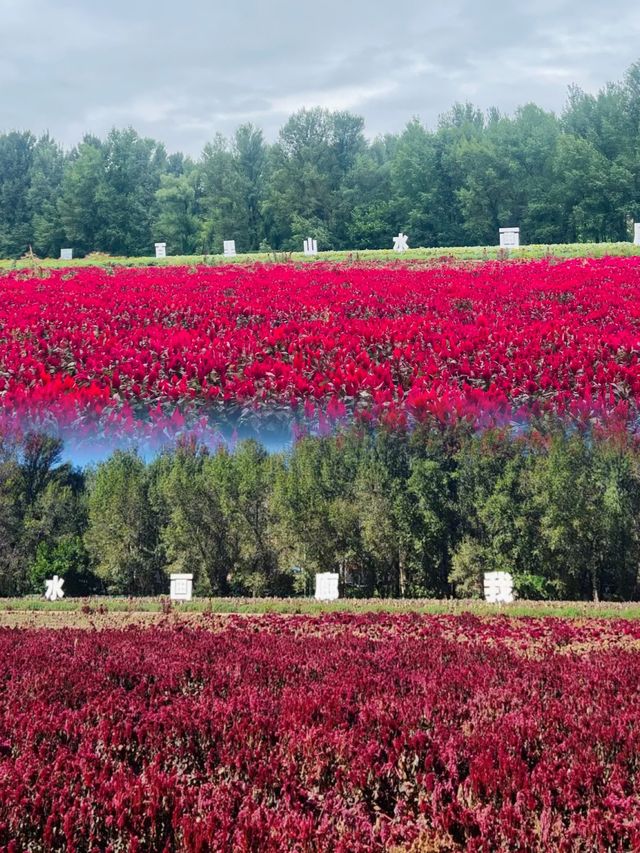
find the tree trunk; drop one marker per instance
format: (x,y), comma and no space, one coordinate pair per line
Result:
(402,575)
(594,585)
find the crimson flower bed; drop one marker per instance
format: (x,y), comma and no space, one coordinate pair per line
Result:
(143,349)
(338,733)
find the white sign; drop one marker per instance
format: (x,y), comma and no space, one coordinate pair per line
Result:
(400,243)
(327,586)
(311,247)
(181,587)
(66,254)
(229,248)
(498,588)
(53,589)
(161,250)
(509,238)
(636,233)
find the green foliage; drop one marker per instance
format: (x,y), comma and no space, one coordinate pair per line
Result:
(68,558)
(231,178)
(468,564)
(123,534)
(176,220)
(41,504)
(535,588)
(16,164)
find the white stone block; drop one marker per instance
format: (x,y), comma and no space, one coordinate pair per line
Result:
(161,250)
(66,254)
(498,588)
(509,238)
(229,248)
(636,233)
(327,586)
(400,243)
(53,588)
(311,246)
(181,587)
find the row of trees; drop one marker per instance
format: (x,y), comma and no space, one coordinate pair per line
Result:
(420,514)
(571,178)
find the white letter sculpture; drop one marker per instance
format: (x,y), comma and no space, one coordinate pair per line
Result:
(311,246)
(161,250)
(636,233)
(229,248)
(509,238)
(181,587)
(498,588)
(400,243)
(327,586)
(53,589)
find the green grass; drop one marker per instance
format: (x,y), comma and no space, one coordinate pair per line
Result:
(562,609)
(461,253)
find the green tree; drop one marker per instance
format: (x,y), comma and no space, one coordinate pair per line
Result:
(176,221)
(314,514)
(123,534)
(12,565)
(221,202)
(45,183)
(67,558)
(315,152)
(247,486)
(197,532)
(16,162)
(79,207)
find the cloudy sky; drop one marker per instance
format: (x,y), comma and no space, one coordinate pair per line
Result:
(182,71)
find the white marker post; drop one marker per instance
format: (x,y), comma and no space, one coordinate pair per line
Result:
(229,248)
(400,243)
(310,247)
(181,587)
(509,238)
(53,590)
(161,250)
(327,586)
(498,588)
(66,254)
(636,233)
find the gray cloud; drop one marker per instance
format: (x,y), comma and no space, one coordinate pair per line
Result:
(183,71)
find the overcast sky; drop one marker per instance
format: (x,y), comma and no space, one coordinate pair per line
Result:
(181,71)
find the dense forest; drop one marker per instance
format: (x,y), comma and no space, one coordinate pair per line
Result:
(424,513)
(568,178)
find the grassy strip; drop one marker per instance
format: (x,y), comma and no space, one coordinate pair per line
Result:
(561,609)
(459,253)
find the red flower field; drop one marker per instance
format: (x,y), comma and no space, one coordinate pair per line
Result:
(131,349)
(340,733)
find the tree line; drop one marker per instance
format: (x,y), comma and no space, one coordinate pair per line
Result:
(568,178)
(396,514)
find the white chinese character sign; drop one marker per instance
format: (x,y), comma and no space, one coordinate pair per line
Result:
(310,246)
(401,243)
(66,254)
(229,248)
(181,587)
(636,233)
(161,250)
(509,238)
(327,586)
(498,588)
(53,588)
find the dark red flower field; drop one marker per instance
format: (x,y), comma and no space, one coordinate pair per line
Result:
(341,733)
(144,349)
